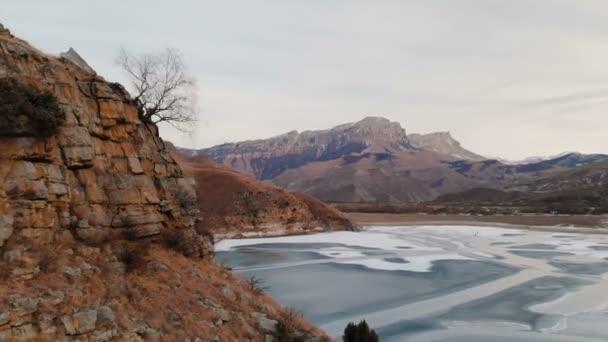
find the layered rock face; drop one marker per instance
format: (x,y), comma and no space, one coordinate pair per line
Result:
(103,172)
(266,159)
(99,238)
(444,143)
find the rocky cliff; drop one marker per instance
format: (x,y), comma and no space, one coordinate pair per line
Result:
(444,143)
(99,233)
(268,158)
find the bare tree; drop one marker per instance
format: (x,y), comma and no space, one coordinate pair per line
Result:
(162,89)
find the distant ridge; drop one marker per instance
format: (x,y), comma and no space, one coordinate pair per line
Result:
(375,160)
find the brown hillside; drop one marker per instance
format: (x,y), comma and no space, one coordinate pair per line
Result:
(233,204)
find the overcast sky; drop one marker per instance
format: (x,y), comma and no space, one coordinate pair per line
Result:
(508,78)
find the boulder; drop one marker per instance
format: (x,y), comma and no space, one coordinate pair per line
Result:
(81,322)
(265,323)
(22,306)
(73,56)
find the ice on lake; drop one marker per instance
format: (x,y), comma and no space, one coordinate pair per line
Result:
(437,283)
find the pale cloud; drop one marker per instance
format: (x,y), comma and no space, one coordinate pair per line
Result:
(507,78)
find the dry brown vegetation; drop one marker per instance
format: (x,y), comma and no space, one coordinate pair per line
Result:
(177,296)
(27,111)
(231,201)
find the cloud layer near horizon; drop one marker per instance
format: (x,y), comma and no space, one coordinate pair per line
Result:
(507,78)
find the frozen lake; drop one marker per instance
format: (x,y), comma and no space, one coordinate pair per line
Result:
(437,283)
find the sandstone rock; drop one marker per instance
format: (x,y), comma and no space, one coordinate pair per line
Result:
(81,322)
(135,217)
(53,297)
(25,332)
(12,255)
(4,317)
(22,306)
(265,323)
(135,165)
(28,149)
(71,271)
(6,335)
(54,172)
(160,170)
(105,317)
(93,235)
(46,323)
(73,56)
(26,189)
(245,325)
(25,272)
(146,331)
(105,335)
(45,217)
(58,189)
(228,292)
(108,110)
(41,235)
(156,266)
(6,228)
(124,196)
(75,136)
(25,170)
(77,147)
(222,314)
(78,156)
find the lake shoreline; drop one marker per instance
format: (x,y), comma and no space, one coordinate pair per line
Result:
(584,224)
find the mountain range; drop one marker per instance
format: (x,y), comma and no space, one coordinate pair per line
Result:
(375,160)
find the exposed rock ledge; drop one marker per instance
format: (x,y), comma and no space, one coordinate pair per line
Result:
(95,223)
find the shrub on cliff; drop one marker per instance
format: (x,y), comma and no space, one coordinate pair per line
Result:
(287,326)
(359,333)
(27,111)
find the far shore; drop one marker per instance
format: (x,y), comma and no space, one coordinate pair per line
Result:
(590,224)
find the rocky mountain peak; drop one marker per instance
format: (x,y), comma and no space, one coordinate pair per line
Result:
(373,121)
(378,124)
(444,143)
(378,133)
(434,138)
(267,158)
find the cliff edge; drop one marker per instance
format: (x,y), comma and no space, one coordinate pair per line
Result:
(99,231)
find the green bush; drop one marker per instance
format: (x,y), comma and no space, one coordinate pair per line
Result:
(27,111)
(359,333)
